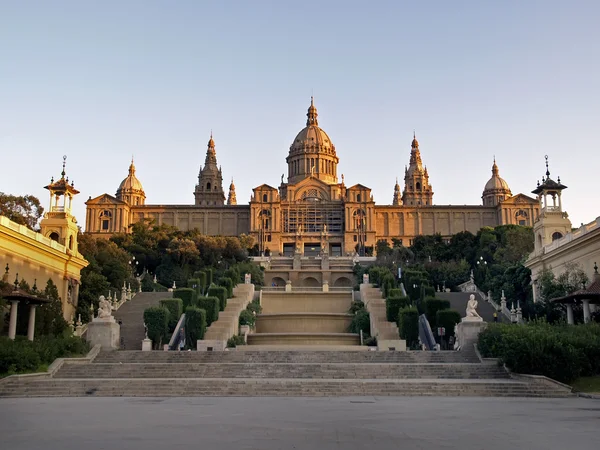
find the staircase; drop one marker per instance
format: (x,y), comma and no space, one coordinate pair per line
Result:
(279,373)
(304,319)
(131,314)
(458,301)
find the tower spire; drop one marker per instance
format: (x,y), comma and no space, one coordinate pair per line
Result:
(312,113)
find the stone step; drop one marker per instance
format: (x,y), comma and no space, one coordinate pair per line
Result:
(191,387)
(294,339)
(317,356)
(279,370)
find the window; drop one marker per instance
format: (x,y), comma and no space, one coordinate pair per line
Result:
(208,186)
(265,198)
(358,197)
(105,225)
(355,238)
(556,235)
(418,186)
(522,222)
(54,236)
(269,238)
(105,219)
(70,242)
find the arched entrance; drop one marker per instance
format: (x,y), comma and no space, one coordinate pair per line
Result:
(311,282)
(278,281)
(343,282)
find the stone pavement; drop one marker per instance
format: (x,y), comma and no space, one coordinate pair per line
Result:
(348,423)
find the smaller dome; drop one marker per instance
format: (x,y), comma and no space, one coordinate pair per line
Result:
(496,182)
(131,183)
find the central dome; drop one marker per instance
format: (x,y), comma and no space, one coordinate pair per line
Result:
(312,153)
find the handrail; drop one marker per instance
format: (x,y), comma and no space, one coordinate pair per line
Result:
(174,342)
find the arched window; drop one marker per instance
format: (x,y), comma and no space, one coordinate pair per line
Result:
(54,236)
(418,186)
(70,242)
(265,198)
(208,186)
(358,197)
(556,235)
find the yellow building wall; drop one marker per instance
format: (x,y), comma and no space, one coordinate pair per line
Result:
(35,257)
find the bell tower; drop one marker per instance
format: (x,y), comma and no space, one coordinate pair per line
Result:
(209,190)
(58,223)
(417,190)
(552,223)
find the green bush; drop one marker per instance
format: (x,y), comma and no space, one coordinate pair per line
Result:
(156,319)
(429,291)
(227,283)
(185,294)
(195,325)
(393,305)
(254,307)
(200,275)
(221,293)
(361,321)
(561,352)
(447,318)
(234,273)
(247,318)
(210,305)
(408,325)
(22,355)
(396,292)
(235,341)
(175,307)
(209,276)
(355,306)
(431,306)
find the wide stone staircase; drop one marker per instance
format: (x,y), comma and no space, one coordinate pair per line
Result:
(131,314)
(304,318)
(279,373)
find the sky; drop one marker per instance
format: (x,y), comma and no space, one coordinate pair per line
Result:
(101,82)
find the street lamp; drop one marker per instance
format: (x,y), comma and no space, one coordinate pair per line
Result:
(134,264)
(481,262)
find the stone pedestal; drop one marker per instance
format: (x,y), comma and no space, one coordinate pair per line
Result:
(288,286)
(147,345)
(105,332)
(467,332)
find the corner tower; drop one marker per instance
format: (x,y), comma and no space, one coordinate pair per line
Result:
(312,154)
(552,223)
(417,190)
(58,223)
(209,190)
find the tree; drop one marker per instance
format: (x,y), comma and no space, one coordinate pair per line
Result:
(24,209)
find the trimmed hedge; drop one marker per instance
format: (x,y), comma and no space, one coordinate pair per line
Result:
(408,325)
(447,318)
(23,355)
(201,276)
(234,273)
(210,305)
(429,291)
(393,305)
(396,292)
(175,307)
(156,319)
(562,352)
(228,284)
(431,306)
(221,293)
(209,276)
(185,294)
(195,325)
(361,321)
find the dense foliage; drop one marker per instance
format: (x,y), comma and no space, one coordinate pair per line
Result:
(408,325)
(210,305)
(175,307)
(23,209)
(562,352)
(221,293)
(195,325)
(187,295)
(156,319)
(22,355)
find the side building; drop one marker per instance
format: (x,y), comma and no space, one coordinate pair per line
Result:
(313,211)
(50,254)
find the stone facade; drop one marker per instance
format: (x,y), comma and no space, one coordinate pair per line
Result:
(314,212)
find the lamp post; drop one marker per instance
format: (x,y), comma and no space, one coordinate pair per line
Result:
(134,264)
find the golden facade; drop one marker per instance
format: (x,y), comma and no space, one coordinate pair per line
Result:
(313,211)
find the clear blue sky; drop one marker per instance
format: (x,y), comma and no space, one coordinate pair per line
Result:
(100,81)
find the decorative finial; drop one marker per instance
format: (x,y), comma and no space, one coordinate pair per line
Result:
(595,268)
(312,114)
(547,169)
(6,270)
(558,179)
(16,283)
(34,285)
(63,173)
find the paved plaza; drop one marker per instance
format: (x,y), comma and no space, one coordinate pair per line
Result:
(298,423)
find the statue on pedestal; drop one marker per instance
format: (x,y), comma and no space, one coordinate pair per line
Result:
(472,308)
(104,308)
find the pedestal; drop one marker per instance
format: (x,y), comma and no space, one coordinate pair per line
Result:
(147,345)
(467,332)
(107,333)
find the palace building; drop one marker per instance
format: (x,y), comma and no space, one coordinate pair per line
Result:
(314,211)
